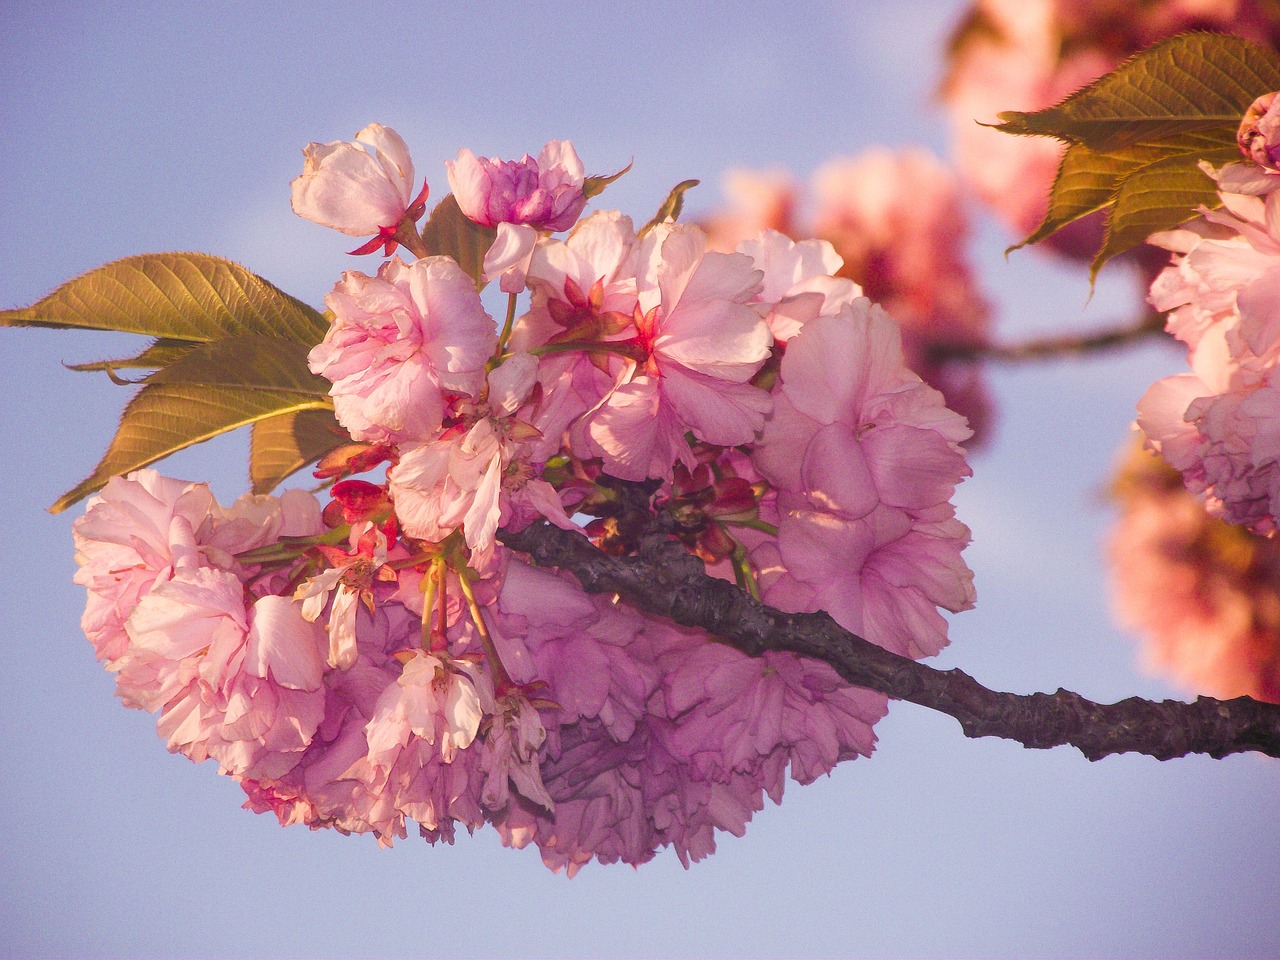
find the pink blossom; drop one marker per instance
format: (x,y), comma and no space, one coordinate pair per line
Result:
(244,686)
(1259,134)
(544,194)
(131,536)
(477,471)
(583,290)
(799,281)
(865,458)
(701,343)
(1216,424)
(363,194)
(140,527)
(400,345)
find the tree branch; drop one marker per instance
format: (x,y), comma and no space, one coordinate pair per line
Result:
(1048,348)
(664,579)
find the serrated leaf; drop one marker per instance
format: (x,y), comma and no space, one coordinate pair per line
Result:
(254,363)
(280,446)
(1088,180)
(159,354)
(174,296)
(1157,196)
(1138,134)
(671,206)
(594,186)
(449,233)
(1190,83)
(164,418)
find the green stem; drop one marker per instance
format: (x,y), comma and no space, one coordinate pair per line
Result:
(507,324)
(760,525)
(501,679)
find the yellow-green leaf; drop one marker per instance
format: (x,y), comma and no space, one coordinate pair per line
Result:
(449,233)
(1157,196)
(164,418)
(1089,180)
(671,207)
(174,296)
(159,354)
(1137,136)
(1194,82)
(280,446)
(594,186)
(255,363)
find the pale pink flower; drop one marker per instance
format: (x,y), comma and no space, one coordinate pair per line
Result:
(401,344)
(544,194)
(356,192)
(131,536)
(1216,425)
(242,685)
(583,290)
(347,582)
(799,281)
(139,527)
(477,471)
(701,342)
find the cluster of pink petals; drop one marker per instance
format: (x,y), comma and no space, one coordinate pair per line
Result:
(387,661)
(545,194)
(234,674)
(1203,595)
(899,230)
(400,344)
(864,458)
(1029,54)
(1218,424)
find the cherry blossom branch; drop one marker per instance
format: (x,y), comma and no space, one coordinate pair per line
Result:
(1049,348)
(664,579)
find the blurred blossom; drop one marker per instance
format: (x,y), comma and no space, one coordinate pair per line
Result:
(1203,595)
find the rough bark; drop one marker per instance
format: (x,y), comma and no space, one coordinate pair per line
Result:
(662,578)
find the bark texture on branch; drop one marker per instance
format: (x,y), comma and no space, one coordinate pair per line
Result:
(664,579)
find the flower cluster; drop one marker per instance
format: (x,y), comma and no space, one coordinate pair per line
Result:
(386,659)
(1030,54)
(896,221)
(1204,595)
(1217,424)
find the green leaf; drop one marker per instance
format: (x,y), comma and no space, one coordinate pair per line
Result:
(1194,82)
(161,353)
(174,296)
(448,233)
(594,186)
(164,418)
(280,446)
(255,363)
(1088,180)
(1158,196)
(1137,136)
(671,207)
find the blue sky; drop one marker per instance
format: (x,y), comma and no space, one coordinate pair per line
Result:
(136,127)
